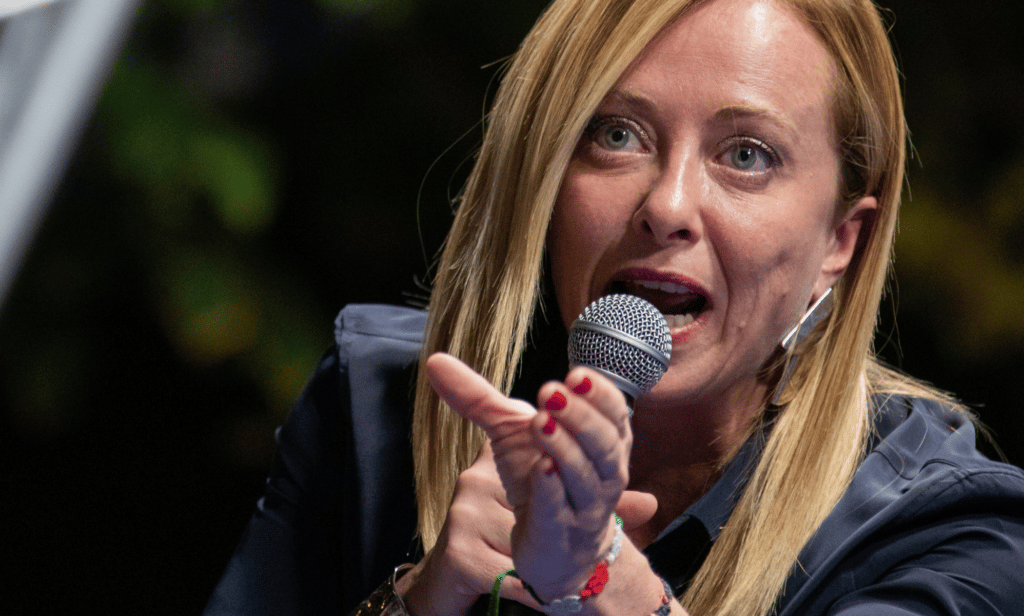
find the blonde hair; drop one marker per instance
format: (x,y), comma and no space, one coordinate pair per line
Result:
(488,281)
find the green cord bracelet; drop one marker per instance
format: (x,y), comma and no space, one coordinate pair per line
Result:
(492,606)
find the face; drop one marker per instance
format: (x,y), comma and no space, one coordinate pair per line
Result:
(707,183)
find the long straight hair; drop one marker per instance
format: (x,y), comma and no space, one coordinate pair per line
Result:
(488,280)
(489,276)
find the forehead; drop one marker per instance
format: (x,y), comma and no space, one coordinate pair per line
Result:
(756,54)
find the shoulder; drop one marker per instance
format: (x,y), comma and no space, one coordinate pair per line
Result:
(930,457)
(391,327)
(361,388)
(926,511)
(357,405)
(377,349)
(926,463)
(374,341)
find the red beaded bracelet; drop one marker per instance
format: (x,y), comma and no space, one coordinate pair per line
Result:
(573,603)
(596,582)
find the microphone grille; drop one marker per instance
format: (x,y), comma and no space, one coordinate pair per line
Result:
(624,337)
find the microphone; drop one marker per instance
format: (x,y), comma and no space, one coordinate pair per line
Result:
(626,339)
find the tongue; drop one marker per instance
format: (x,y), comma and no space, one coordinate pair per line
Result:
(694,304)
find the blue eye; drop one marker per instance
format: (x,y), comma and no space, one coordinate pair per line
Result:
(615,137)
(615,134)
(750,157)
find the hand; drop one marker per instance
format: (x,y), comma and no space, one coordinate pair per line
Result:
(472,548)
(567,528)
(506,421)
(563,519)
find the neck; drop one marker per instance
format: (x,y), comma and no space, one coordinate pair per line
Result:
(677,456)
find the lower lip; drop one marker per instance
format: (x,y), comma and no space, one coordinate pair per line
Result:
(682,333)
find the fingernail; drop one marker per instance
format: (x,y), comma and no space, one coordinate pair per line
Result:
(556,402)
(583,387)
(553,469)
(549,427)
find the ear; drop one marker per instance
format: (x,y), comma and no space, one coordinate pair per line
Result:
(844,241)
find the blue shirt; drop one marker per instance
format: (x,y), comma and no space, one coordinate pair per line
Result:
(929,526)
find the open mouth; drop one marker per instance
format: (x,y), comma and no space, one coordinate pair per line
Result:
(679,304)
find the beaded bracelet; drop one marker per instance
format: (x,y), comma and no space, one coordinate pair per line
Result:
(666,600)
(571,604)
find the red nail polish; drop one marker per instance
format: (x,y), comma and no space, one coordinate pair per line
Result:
(549,427)
(583,387)
(556,402)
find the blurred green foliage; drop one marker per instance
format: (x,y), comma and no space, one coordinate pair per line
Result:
(253,165)
(969,265)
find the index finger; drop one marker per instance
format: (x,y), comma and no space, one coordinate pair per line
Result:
(472,397)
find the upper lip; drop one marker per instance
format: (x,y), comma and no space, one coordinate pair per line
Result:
(663,300)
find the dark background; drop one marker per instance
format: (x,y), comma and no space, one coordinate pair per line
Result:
(252,166)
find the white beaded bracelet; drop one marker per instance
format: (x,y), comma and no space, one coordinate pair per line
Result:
(573,604)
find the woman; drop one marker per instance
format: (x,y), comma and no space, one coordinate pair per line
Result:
(732,161)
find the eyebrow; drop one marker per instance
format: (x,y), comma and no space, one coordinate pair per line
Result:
(632,99)
(732,112)
(724,114)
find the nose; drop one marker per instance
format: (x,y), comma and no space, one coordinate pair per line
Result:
(670,211)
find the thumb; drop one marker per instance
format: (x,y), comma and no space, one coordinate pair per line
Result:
(635,508)
(472,397)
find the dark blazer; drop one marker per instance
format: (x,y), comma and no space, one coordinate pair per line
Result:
(928,526)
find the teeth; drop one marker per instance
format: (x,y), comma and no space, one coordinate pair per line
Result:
(678,320)
(667,287)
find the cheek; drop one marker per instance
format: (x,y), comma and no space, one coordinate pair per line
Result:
(587,209)
(569,235)
(771,263)
(788,232)
(589,217)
